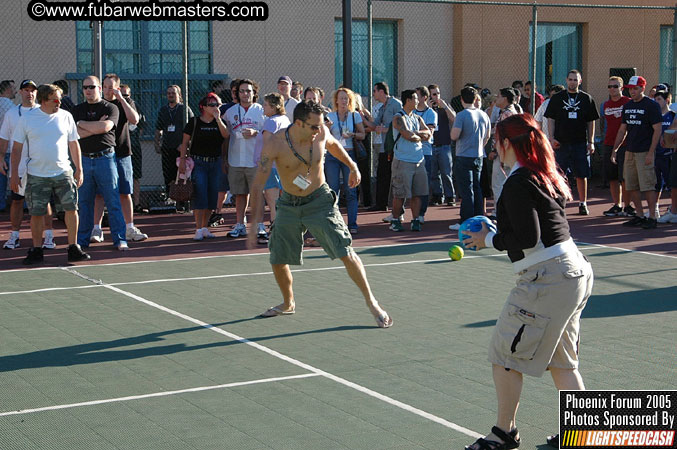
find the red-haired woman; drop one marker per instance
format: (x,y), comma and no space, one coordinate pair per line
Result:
(207,133)
(538,329)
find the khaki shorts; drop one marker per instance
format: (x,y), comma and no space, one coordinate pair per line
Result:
(241,179)
(637,175)
(317,212)
(408,179)
(39,192)
(540,324)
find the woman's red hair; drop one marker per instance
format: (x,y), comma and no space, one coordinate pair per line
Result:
(533,151)
(203,102)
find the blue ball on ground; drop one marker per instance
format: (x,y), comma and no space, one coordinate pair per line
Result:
(474,224)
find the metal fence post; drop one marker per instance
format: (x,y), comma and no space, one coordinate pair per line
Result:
(370,62)
(185,69)
(674,53)
(347,44)
(97,28)
(532,69)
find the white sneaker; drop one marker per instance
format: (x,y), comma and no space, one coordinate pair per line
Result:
(97,235)
(668,217)
(49,240)
(198,235)
(206,234)
(421,219)
(13,241)
(261,230)
(455,227)
(134,234)
(389,218)
(122,246)
(240,230)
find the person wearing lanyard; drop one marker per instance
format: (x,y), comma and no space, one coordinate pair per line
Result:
(245,121)
(169,132)
(346,124)
(539,327)
(307,203)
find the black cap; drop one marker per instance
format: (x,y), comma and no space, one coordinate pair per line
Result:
(26,83)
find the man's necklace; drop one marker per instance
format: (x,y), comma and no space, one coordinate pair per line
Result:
(300,158)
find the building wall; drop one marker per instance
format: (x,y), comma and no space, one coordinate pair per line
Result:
(492,49)
(43,51)
(304,48)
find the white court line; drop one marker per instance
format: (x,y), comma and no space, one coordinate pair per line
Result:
(148,261)
(627,250)
(237,275)
(99,283)
(293,361)
(156,394)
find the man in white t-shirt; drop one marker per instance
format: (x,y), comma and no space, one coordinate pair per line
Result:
(284,86)
(52,134)
(27,90)
(245,121)
(7,94)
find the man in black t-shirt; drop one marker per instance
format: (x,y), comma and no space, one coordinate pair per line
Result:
(641,128)
(571,118)
(96,119)
(442,163)
(123,160)
(169,132)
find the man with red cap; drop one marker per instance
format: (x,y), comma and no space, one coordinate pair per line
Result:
(641,129)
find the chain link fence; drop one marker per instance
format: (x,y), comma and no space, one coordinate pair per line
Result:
(406,43)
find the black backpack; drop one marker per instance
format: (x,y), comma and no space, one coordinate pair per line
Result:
(390,141)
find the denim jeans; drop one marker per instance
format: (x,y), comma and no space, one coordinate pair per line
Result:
(428,159)
(333,168)
(4,181)
(100,174)
(206,177)
(440,172)
(467,172)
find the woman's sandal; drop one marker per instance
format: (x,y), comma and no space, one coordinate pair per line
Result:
(509,441)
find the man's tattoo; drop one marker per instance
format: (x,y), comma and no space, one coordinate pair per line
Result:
(400,123)
(263,164)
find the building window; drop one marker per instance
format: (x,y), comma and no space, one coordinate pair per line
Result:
(665,63)
(148,56)
(558,50)
(384,54)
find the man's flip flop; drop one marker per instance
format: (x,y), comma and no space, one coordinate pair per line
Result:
(275,311)
(384,320)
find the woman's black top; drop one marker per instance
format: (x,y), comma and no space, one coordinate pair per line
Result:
(207,139)
(527,214)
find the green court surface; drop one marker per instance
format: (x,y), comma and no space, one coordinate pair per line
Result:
(170,354)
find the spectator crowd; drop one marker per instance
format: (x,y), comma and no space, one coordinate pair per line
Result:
(416,151)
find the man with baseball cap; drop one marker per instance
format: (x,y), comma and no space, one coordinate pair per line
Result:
(641,129)
(284,85)
(27,90)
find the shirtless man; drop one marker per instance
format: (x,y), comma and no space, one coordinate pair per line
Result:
(307,203)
